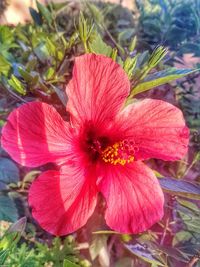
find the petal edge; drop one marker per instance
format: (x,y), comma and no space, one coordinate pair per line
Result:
(134,198)
(97,90)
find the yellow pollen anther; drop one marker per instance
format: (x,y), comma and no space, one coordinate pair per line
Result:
(120,153)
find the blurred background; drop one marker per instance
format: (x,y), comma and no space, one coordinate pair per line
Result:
(36,60)
(17,11)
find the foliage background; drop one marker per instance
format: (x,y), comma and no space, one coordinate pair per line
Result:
(36,61)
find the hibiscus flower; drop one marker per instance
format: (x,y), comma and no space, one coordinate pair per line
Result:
(100,150)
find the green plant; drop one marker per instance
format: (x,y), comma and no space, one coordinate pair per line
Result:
(174,24)
(35,64)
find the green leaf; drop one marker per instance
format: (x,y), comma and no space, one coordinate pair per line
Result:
(35,16)
(157,55)
(8,211)
(49,73)
(188,204)
(68,263)
(125,35)
(132,45)
(17,85)
(180,188)
(85,29)
(4,66)
(10,238)
(6,35)
(30,78)
(159,78)
(61,94)
(9,172)
(144,253)
(3,256)
(180,237)
(97,45)
(51,47)
(59,7)
(45,13)
(96,13)
(129,65)
(42,52)
(73,39)
(31,64)
(189,218)
(114,54)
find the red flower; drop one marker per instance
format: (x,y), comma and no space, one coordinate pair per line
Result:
(100,150)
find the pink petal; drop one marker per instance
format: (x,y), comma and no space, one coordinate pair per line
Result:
(63,201)
(134,198)
(97,90)
(36,134)
(156,127)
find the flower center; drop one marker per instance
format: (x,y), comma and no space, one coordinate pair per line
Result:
(95,145)
(120,153)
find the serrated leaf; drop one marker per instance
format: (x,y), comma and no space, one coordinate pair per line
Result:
(9,172)
(180,188)
(160,78)
(8,211)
